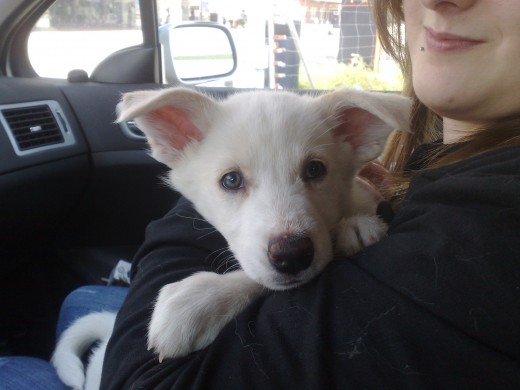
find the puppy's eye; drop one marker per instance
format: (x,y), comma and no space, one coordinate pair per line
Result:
(314,170)
(232,181)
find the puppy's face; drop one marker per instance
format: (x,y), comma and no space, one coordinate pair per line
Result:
(271,178)
(273,172)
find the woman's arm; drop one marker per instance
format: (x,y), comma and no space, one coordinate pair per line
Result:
(176,246)
(435,303)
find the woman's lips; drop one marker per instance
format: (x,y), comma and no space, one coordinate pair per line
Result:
(442,42)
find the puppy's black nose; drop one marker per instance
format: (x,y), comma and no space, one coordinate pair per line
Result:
(291,254)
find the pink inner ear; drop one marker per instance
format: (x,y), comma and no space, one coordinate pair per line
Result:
(175,126)
(354,126)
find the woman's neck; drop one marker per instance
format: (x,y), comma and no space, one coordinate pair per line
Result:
(454,131)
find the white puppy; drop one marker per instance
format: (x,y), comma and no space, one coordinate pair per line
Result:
(275,173)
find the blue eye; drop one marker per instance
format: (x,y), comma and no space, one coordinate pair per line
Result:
(232,181)
(314,170)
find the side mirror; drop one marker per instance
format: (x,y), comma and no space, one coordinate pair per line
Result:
(197,52)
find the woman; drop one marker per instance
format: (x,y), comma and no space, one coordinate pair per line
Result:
(436,303)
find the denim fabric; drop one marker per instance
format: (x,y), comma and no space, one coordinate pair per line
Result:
(89,299)
(27,373)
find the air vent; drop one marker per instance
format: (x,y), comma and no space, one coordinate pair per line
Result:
(33,127)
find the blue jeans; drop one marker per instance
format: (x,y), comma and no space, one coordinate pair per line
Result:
(26,373)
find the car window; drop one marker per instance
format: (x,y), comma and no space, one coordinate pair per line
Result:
(284,44)
(80,34)
(296,44)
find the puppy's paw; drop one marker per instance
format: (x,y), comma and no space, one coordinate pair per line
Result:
(357,232)
(189,314)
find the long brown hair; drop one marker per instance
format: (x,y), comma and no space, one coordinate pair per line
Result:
(426,125)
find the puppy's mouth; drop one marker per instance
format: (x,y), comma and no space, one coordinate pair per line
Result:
(281,281)
(289,260)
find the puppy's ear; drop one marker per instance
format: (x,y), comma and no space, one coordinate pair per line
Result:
(170,118)
(366,119)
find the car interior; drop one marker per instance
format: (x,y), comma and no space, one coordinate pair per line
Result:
(77,189)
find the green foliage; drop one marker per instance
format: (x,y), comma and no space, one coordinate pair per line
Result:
(359,76)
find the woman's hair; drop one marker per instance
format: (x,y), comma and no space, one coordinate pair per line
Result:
(426,125)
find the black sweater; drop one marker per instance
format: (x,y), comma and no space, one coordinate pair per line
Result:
(436,304)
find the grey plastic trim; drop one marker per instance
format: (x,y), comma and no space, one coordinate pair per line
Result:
(59,116)
(131,130)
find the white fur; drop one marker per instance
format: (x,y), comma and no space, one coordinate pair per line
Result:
(201,317)
(75,341)
(269,137)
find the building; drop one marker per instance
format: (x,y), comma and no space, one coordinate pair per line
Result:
(94,14)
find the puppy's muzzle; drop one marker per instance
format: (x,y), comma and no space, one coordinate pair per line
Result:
(291,254)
